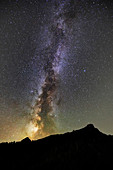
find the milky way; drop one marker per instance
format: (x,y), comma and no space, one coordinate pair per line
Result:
(43,110)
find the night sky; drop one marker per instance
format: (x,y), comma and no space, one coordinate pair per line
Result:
(56,67)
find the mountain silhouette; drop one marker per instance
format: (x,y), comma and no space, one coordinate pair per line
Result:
(86,148)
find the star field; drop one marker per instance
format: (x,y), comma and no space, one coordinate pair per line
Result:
(56,67)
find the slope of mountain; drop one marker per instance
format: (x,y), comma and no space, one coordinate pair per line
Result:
(86,148)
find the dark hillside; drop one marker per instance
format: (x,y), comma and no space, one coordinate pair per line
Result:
(86,148)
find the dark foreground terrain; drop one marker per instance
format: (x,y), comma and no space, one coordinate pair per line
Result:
(86,148)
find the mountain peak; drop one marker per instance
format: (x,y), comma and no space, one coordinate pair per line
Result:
(26,140)
(91,126)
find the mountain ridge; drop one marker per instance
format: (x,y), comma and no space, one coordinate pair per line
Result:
(89,129)
(86,148)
